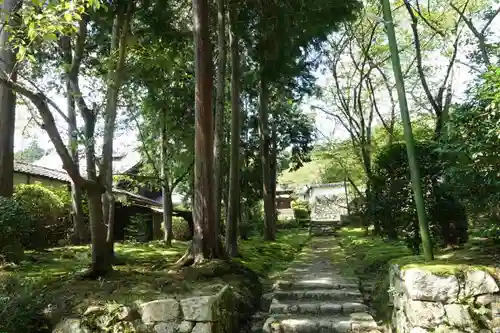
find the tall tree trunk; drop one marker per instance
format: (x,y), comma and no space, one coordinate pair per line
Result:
(165,187)
(79,232)
(7,106)
(101,257)
(76,191)
(270,226)
(274,162)
(114,78)
(205,237)
(234,177)
(219,115)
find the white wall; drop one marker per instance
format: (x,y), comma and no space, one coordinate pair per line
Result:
(326,191)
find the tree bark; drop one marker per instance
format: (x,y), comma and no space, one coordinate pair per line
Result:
(114,79)
(101,263)
(101,256)
(165,189)
(79,232)
(219,114)
(76,192)
(205,237)
(274,162)
(269,223)
(234,177)
(7,106)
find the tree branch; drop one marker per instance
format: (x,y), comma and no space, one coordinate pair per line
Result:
(418,51)
(49,125)
(181,177)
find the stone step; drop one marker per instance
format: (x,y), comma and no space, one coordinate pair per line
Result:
(316,307)
(354,323)
(315,284)
(319,294)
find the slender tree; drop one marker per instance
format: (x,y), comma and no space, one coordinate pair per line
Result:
(76,192)
(410,144)
(234,176)
(219,112)
(165,185)
(7,102)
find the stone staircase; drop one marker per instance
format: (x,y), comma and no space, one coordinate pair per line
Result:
(314,297)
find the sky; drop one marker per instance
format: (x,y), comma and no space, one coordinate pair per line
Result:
(126,141)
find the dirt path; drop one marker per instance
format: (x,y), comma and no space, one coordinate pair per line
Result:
(314,297)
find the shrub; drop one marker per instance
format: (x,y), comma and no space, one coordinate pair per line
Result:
(492,232)
(137,228)
(301,209)
(45,208)
(63,232)
(287,223)
(15,224)
(393,202)
(252,222)
(180,229)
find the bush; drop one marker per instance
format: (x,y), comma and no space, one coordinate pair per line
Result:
(252,222)
(394,208)
(45,208)
(180,229)
(137,228)
(64,230)
(15,224)
(287,224)
(301,209)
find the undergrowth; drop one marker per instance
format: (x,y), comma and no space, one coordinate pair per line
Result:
(369,257)
(47,281)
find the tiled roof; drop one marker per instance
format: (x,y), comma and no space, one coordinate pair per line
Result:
(40,171)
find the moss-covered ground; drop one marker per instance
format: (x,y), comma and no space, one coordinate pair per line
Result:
(368,258)
(51,277)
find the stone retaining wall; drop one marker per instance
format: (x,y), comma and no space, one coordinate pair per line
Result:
(201,314)
(424,302)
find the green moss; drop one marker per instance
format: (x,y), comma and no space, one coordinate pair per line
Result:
(50,277)
(478,254)
(368,258)
(268,258)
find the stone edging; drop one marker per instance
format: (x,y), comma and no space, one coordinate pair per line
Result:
(200,314)
(424,302)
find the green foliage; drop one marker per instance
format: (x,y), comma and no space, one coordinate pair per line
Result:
(44,22)
(180,229)
(252,222)
(15,226)
(137,228)
(265,258)
(471,146)
(45,209)
(394,208)
(30,154)
(301,209)
(422,127)
(492,232)
(287,223)
(341,161)
(309,173)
